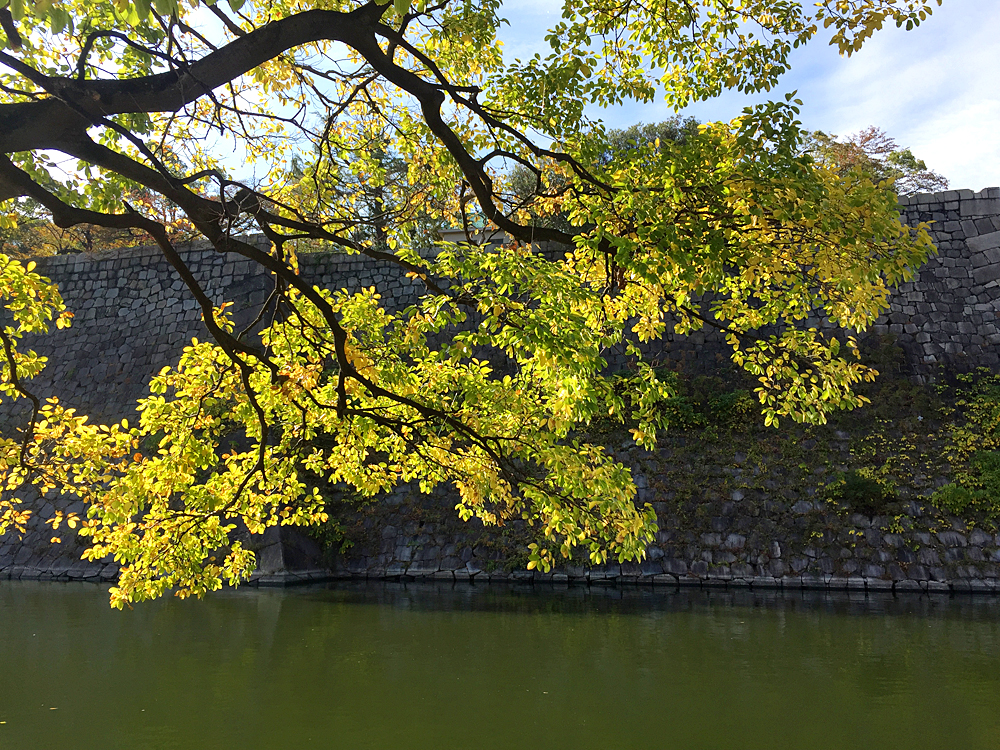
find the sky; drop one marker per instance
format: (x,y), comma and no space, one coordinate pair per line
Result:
(935,89)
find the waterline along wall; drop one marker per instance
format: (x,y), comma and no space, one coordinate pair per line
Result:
(133,316)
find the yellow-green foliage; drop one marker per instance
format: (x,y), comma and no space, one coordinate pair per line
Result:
(861,492)
(972,451)
(338,385)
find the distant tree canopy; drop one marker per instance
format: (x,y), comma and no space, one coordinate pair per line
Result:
(27,228)
(143,103)
(877,155)
(527,188)
(871,154)
(29,232)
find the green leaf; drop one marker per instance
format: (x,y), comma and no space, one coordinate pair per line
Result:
(58,19)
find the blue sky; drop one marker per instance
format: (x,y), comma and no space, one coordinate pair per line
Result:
(935,89)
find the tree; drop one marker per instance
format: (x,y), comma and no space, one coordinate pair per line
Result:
(527,189)
(873,153)
(339,387)
(28,232)
(26,229)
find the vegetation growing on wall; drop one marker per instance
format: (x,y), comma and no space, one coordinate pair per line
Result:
(974,450)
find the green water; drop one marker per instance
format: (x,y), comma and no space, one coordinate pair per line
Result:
(392,666)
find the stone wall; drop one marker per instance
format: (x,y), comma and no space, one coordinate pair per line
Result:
(741,508)
(950,314)
(133,316)
(947,318)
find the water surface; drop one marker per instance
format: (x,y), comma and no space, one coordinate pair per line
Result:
(423,666)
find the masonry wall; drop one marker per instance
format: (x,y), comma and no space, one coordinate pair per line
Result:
(950,314)
(947,318)
(133,316)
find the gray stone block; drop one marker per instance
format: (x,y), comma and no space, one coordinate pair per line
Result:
(675,567)
(983,242)
(980,587)
(952,539)
(980,207)
(986,273)
(979,538)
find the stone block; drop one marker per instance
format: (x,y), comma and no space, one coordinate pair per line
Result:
(980,587)
(952,539)
(675,567)
(422,569)
(649,568)
(928,556)
(734,542)
(979,260)
(935,587)
(986,273)
(872,571)
(979,538)
(979,207)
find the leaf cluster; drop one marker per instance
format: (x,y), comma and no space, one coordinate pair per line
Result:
(367,127)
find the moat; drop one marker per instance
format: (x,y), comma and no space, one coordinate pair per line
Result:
(461,666)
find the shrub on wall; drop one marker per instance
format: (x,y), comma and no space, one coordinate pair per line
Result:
(861,492)
(974,450)
(976,490)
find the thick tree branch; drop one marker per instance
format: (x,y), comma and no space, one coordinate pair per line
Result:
(27,126)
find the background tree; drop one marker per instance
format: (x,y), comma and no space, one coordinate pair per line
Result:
(877,155)
(374,182)
(27,229)
(338,386)
(528,189)
(29,232)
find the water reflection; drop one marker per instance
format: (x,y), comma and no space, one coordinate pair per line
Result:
(426,666)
